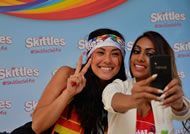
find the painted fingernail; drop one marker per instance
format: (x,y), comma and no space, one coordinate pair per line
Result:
(166,88)
(159,98)
(160,91)
(154,75)
(73,84)
(162,96)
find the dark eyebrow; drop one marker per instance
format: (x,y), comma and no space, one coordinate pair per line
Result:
(116,49)
(147,49)
(137,46)
(100,48)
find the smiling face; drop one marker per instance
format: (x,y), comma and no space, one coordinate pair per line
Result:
(106,62)
(139,65)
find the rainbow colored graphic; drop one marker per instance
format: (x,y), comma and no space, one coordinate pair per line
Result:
(56,9)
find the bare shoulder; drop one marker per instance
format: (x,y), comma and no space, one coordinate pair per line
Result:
(65,70)
(56,85)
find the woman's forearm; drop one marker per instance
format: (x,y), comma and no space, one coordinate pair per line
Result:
(121,102)
(45,116)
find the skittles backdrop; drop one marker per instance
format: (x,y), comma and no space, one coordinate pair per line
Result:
(39,36)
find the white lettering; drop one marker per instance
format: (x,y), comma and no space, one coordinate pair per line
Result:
(5,104)
(179,47)
(5,40)
(30,106)
(44,41)
(130,45)
(167,16)
(18,72)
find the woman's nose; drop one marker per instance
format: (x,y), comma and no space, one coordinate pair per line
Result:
(141,57)
(107,58)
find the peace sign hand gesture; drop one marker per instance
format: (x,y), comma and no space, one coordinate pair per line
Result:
(77,81)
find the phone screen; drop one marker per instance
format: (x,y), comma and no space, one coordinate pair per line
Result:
(161,65)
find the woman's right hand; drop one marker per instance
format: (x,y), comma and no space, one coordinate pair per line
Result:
(77,81)
(142,92)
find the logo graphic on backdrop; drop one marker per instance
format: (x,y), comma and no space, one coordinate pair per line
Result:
(5,105)
(181,74)
(4,42)
(56,9)
(83,44)
(20,75)
(41,41)
(29,106)
(182,49)
(167,19)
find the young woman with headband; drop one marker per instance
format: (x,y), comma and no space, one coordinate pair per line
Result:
(71,101)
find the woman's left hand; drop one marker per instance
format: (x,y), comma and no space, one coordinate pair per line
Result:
(173,95)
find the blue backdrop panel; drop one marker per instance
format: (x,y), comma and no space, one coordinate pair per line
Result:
(31,50)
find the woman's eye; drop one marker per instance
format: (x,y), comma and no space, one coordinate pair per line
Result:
(150,54)
(100,52)
(116,54)
(136,51)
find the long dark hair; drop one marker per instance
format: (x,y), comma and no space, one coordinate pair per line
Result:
(88,103)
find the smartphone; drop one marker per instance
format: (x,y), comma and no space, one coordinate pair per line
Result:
(161,65)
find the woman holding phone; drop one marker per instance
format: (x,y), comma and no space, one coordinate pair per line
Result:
(133,105)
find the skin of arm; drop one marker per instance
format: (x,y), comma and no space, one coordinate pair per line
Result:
(53,101)
(65,84)
(141,92)
(122,106)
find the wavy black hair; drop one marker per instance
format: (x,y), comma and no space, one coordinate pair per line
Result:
(88,103)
